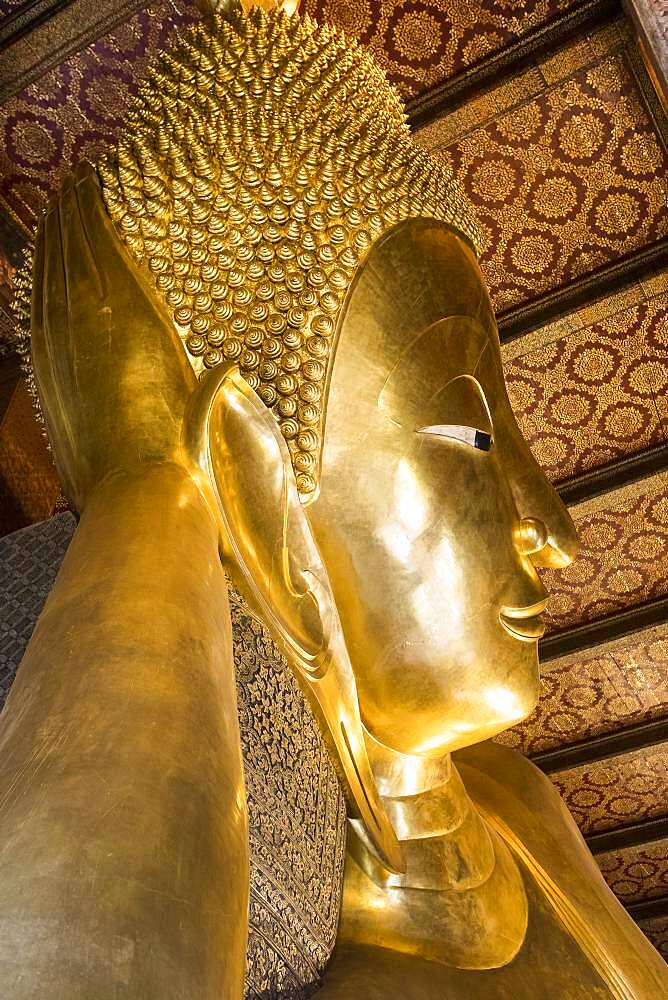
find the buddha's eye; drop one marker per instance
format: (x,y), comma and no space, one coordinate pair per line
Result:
(461,432)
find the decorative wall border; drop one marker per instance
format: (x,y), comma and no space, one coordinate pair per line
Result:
(631,835)
(647,88)
(639,737)
(622,472)
(28,16)
(645,909)
(438,101)
(596,285)
(444,97)
(26,59)
(621,273)
(622,623)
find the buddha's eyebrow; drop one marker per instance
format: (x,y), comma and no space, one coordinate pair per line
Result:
(453,346)
(482,440)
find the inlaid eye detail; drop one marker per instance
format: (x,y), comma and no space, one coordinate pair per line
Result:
(461,432)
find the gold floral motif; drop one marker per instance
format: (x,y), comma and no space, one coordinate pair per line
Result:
(297,819)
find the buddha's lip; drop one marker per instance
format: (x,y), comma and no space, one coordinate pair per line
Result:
(524,623)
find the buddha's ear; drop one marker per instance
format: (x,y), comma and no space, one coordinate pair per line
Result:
(266,540)
(273,559)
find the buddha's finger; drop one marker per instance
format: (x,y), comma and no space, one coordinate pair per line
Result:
(55,317)
(51,336)
(127,291)
(84,287)
(98,227)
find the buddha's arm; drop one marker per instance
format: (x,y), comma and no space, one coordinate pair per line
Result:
(122,811)
(122,823)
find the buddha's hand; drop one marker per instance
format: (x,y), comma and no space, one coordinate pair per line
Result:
(112,375)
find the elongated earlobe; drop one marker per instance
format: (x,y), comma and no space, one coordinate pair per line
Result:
(267,544)
(266,538)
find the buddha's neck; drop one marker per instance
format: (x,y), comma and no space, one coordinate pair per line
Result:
(445,842)
(400,775)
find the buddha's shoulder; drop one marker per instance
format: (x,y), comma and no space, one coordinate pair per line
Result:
(525,808)
(494,773)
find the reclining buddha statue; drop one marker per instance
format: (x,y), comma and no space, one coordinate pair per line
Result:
(265,357)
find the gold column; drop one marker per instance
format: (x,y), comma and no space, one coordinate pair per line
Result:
(122,812)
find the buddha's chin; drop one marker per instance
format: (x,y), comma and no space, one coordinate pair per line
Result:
(458,735)
(480,713)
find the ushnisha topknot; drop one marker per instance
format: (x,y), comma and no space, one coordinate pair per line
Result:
(262,158)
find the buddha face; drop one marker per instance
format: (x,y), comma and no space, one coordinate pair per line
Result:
(432,514)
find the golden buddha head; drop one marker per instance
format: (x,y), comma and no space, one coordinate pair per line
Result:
(379,505)
(432,514)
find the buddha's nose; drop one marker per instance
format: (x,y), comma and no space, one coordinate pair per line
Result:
(544,531)
(550,540)
(530,536)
